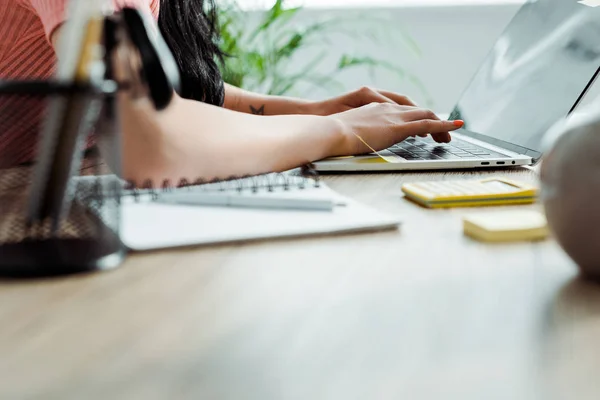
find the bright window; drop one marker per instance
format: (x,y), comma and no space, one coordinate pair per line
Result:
(377,3)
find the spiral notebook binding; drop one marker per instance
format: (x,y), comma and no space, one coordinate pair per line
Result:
(303,178)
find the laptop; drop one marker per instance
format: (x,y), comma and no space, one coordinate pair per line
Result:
(537,72)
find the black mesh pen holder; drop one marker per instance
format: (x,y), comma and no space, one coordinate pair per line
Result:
(86,237)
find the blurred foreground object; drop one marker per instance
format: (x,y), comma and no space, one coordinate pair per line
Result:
(570,175)
(506,226)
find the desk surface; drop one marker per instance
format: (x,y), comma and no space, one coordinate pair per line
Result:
(419,313)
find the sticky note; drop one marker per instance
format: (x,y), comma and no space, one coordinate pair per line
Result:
(506,226)
(374,160)
(381,157)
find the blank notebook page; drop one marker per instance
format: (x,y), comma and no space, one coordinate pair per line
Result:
(151,225)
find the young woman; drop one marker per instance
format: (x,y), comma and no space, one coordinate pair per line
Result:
(212,129)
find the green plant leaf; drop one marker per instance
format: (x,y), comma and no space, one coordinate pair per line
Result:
(273,15)
(267,54)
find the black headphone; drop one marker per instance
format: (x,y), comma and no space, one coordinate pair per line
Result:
(159,69)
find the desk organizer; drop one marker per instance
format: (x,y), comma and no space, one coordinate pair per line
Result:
(87,237)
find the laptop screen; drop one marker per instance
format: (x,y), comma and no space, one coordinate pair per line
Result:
(534,74)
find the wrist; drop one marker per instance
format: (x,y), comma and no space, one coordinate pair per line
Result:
(233,100)
(336,134)
(309,107)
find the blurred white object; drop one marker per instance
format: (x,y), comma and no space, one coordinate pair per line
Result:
(570,175)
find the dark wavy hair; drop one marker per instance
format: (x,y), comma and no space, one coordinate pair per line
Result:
(190,28)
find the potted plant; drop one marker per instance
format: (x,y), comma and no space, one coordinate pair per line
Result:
(263,50)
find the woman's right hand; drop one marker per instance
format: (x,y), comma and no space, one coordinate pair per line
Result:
(382,125)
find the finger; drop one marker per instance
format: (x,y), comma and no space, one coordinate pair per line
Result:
(445,137)
(397,98)
(442,137)
(420,113)
(417,114)
(403,100)
(424,114)
(427,126)
(365,96)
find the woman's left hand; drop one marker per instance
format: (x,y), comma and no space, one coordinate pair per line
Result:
(356,99)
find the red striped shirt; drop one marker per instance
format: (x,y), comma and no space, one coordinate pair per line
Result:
(26,53)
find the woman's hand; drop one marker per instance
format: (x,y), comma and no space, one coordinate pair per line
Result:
(367,95)
(355,99)
(382,125)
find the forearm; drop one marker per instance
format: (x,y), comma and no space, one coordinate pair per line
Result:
(240,100)
(192,140)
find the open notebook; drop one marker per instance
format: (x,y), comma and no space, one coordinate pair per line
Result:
(148,223)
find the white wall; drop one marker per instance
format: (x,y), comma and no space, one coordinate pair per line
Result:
(453,40)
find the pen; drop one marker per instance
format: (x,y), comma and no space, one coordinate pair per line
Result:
(254,201)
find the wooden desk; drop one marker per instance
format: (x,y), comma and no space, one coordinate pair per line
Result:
(421,313)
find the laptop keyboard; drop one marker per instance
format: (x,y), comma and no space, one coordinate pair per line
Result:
(428,149)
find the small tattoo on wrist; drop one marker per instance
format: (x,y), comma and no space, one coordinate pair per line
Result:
(258,111)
